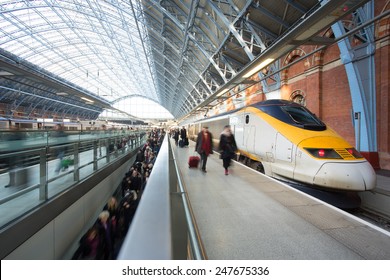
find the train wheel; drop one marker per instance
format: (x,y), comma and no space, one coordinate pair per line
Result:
(260,167)
(256,165)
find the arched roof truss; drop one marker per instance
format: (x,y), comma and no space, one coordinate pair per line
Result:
(178,53)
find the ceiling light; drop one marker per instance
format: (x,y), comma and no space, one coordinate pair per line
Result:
(222,92)
(5,73)
(61,93)
(86,99)
(257,68)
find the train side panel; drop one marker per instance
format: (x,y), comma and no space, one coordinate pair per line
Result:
(305,168)
(284,162)
(255,138)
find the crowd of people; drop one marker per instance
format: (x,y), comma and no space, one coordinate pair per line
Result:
(204,145)
(103,240)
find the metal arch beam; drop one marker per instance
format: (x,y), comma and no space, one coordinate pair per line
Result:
(235,33)
(203,35)
(168,60)
(209,82)
(189,24)
(209,56)
(190,85)
(302,32)
(206,54)
(26,97)
(231,28)
(262,29)
(200,47)
(296,6)
(228,68)
(216,24)
(157,4)
(210,33)
(255,35)
(200,36)
(359,64)
(271,16)
(131,96)
(188,65)
(52,100)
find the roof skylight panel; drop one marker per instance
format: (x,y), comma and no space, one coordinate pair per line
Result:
(7,28)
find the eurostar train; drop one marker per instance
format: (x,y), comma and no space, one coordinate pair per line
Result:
(286,141)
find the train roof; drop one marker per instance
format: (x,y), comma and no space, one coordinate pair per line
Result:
(275,102)
(258,105)
(284,110)
(291,113)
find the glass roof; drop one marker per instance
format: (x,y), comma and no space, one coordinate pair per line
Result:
(182,54)
(94,44)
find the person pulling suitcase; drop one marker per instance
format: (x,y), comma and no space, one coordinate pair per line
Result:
(204,146)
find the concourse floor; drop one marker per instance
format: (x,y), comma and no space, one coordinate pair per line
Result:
(246,215)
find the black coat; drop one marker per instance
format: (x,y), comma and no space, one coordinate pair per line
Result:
(183,133)
(227,146)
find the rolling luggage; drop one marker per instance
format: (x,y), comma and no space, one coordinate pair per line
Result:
(193,161)
(181,143)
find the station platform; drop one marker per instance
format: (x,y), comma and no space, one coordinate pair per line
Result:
(247,215)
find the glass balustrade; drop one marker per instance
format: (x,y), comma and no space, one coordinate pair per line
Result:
(37,165)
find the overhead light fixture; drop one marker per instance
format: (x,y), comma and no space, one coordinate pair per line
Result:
(61,93)
(257,68)
(86,99)
(222,92)
(5,73)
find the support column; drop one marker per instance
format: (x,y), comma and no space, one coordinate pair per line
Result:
(360,68)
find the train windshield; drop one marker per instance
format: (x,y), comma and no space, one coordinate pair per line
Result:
(295,115)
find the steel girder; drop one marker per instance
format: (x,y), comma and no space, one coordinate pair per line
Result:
(210,41)
(358,59)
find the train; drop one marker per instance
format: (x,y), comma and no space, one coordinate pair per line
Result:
(68,125)
(284,140)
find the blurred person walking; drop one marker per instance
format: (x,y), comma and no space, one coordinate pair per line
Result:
(227,147)
(204,146)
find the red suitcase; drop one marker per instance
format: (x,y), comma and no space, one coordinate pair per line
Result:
(193,161)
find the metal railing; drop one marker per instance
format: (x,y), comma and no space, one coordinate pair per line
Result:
(163,226)
(28,175)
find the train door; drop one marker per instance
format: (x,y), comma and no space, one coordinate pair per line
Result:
(249,134)
(283,151)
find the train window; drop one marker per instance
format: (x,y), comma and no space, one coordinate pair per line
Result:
(301,116)
(247,119)
(295,115)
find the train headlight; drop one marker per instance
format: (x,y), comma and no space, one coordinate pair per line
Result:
(323,153)
(354,152)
